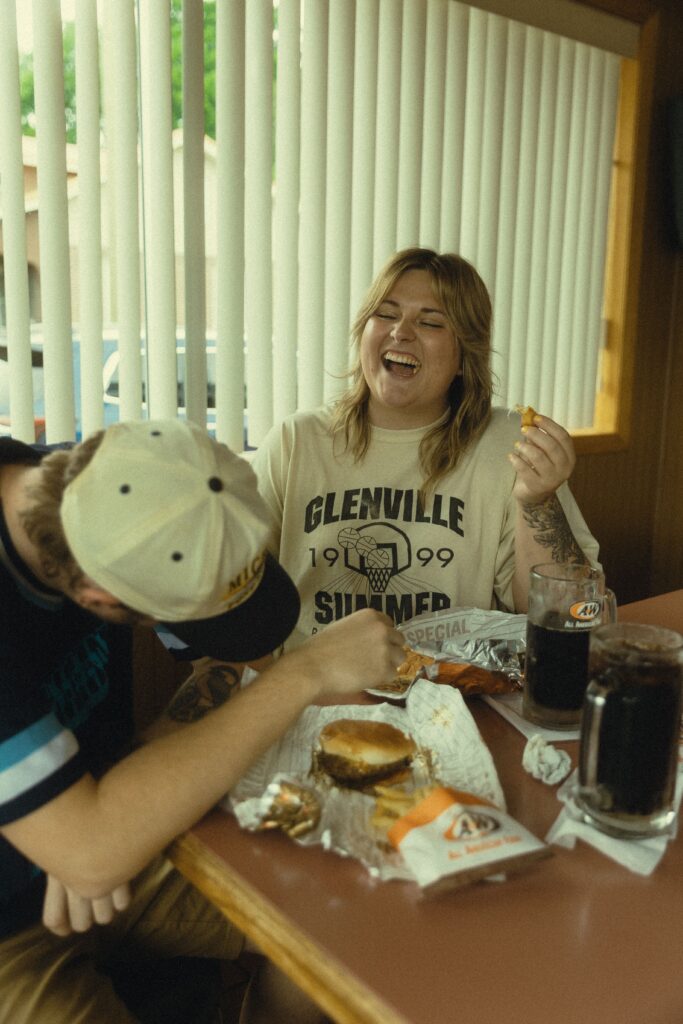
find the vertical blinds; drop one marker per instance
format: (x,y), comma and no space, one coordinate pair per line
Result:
(344,130)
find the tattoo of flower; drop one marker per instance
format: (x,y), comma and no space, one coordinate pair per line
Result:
(205,690)
(551,530)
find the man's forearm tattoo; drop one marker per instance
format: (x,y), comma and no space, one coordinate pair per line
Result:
(551,530)
(205,690)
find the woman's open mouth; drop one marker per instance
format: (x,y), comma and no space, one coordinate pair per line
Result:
(401,363)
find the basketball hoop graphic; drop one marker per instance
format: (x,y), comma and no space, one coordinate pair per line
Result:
(377,551)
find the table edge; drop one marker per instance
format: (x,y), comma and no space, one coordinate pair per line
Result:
(322,977)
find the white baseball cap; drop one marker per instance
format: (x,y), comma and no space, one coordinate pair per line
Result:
(170,522)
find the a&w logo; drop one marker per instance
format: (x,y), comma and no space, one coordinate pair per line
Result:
(585,611)
(470,825)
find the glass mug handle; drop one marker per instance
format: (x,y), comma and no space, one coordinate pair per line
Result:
(609,607)
(593,707)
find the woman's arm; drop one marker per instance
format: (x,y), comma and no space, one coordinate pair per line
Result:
(544,459)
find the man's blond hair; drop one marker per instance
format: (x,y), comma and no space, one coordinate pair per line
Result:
(42,518)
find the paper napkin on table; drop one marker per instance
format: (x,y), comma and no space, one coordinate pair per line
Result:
(545,762)
(638,855)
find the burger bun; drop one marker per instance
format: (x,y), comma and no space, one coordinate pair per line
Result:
(358,752)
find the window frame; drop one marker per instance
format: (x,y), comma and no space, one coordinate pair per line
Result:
(614,395)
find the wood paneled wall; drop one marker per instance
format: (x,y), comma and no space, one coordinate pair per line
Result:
(633,499)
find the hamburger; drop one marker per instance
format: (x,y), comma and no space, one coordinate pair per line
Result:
(359,752)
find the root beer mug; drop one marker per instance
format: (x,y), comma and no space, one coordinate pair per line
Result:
(630,730)
(566,602)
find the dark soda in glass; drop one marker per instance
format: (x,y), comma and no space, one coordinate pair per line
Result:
(556,672)
(629,741)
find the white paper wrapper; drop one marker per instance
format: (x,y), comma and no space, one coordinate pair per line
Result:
(545,762)
(638,855)
(451,751)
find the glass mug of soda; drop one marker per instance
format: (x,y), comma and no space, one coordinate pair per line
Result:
(566,602)
(630,730)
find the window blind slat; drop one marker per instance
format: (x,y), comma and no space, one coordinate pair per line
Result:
(121,131)
(472,142)
(581,312)
(230,29)
(89,218)
(454,127)
(20,385)
(193,206)
(338,204)
(540,247)
(598,245)
(53,223)
(387,130)
(556,224)
(433,119)
(503,291)
(258,217)
(491,148)
(312,222)
(363,161)
(525,212)
(572,213)
(411,110)
(158,208)
(286,210)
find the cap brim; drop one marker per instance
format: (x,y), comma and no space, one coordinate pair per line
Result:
(251,630)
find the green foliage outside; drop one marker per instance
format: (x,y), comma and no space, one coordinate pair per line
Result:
(28,119)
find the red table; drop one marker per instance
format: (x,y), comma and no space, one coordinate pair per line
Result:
(573,938)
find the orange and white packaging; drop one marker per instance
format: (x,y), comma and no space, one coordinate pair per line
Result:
(451,838)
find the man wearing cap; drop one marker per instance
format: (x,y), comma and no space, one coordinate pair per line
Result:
(151,522)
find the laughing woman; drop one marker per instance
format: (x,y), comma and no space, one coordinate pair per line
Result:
(412,494)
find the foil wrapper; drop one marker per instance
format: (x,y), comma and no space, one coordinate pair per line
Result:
(451,753)
(491,640)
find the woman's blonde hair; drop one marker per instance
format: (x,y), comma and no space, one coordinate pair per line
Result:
(42,520)
(467,306)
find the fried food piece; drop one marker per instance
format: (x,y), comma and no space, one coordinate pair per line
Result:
(469,679)
(406,671)
(472,680)
(527,412)
(391,803)
(295,810)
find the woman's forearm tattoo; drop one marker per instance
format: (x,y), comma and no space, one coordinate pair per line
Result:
(205,690)
(551,530)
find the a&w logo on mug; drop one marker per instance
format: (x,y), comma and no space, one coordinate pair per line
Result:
(585,611)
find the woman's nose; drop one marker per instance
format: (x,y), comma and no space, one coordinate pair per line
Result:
(403,330)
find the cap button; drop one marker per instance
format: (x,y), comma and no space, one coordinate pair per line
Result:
(215,483)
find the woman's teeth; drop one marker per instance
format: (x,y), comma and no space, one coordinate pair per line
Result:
(401,362)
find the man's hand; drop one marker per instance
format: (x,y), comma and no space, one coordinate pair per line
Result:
(544,459)
(64,911)
(362,650)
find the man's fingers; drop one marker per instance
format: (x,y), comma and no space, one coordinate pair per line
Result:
(55,910)
(80,911)
(121,896)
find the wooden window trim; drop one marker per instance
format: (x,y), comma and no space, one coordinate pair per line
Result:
(614,405)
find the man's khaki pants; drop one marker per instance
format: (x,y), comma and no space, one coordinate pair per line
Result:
(45,979)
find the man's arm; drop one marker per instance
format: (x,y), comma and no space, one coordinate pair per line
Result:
(208,687)
(98,834)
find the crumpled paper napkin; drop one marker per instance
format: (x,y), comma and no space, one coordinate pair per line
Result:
(545,762)
(638,855)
